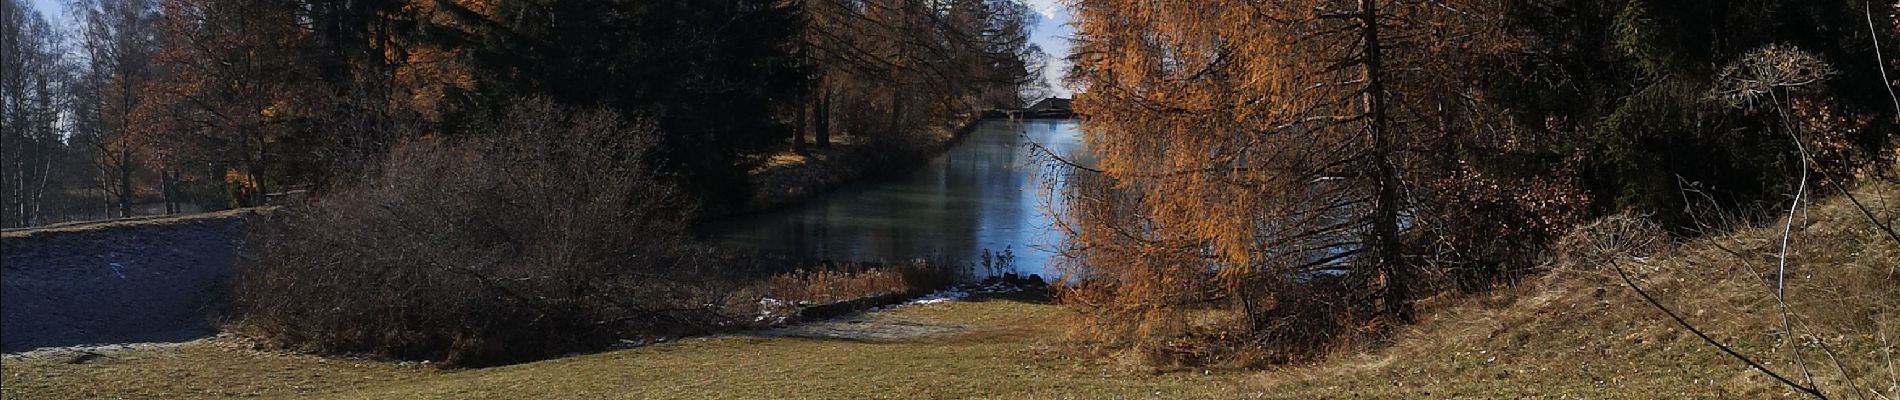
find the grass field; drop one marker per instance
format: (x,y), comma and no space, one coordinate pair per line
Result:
(1575,332)
(989,347)
(995,348)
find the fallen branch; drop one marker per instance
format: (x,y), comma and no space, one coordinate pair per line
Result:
(1811,391)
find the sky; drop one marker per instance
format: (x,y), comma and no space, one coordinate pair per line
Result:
(1052,32)
(54,10)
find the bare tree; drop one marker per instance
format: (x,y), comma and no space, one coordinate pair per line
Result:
(914,59)
(118,41)
(33,81)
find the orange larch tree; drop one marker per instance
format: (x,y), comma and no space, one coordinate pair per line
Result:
(1271,158)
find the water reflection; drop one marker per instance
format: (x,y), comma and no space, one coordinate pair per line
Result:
(982,194)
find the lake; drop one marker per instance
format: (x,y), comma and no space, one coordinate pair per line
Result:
(986,193)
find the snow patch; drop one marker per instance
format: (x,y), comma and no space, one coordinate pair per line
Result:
(77,354)
(964,292)
(775,312)
(942,296)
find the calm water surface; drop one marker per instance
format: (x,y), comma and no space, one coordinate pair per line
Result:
(986,193)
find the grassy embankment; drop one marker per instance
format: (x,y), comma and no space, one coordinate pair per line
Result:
(1576,332)
(150,220)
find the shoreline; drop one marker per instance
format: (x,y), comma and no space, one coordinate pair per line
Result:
(779,187)
(791,185)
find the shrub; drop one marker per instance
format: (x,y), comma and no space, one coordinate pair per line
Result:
(1618,235)
(853,281)
(544,233)
(1477,230)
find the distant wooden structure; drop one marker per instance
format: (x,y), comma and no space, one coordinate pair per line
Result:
(1053,107)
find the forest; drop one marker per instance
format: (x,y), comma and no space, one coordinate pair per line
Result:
(143,107)
(482,182)
(890,198)
(1320,165)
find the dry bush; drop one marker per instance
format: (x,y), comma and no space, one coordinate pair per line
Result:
(542,235)
(828,286)
(1477,231)
(1273,324)
(1619,235)
(852,281)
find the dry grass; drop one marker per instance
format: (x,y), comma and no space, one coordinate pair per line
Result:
(999,352)
(834,283)
(773,162)
(198,370)
(1578,332)
(828,286)
(155,220)
(783,160)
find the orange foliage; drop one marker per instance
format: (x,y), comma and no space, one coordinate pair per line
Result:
(1251,153)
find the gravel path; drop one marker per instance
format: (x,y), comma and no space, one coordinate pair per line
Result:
(880,325)
(864,327)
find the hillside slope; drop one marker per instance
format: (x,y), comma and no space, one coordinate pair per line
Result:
(1580,332)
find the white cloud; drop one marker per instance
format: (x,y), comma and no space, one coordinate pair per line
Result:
(1047,8)
(1052,34)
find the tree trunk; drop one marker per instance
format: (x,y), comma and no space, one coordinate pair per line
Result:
(16,185)
(105,188)
(897,110)
(822,115)
(125,183)
(19,196)
(169,180)
(1391,263)
(257,183)
(257,171)
(39,190)
(798,126)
